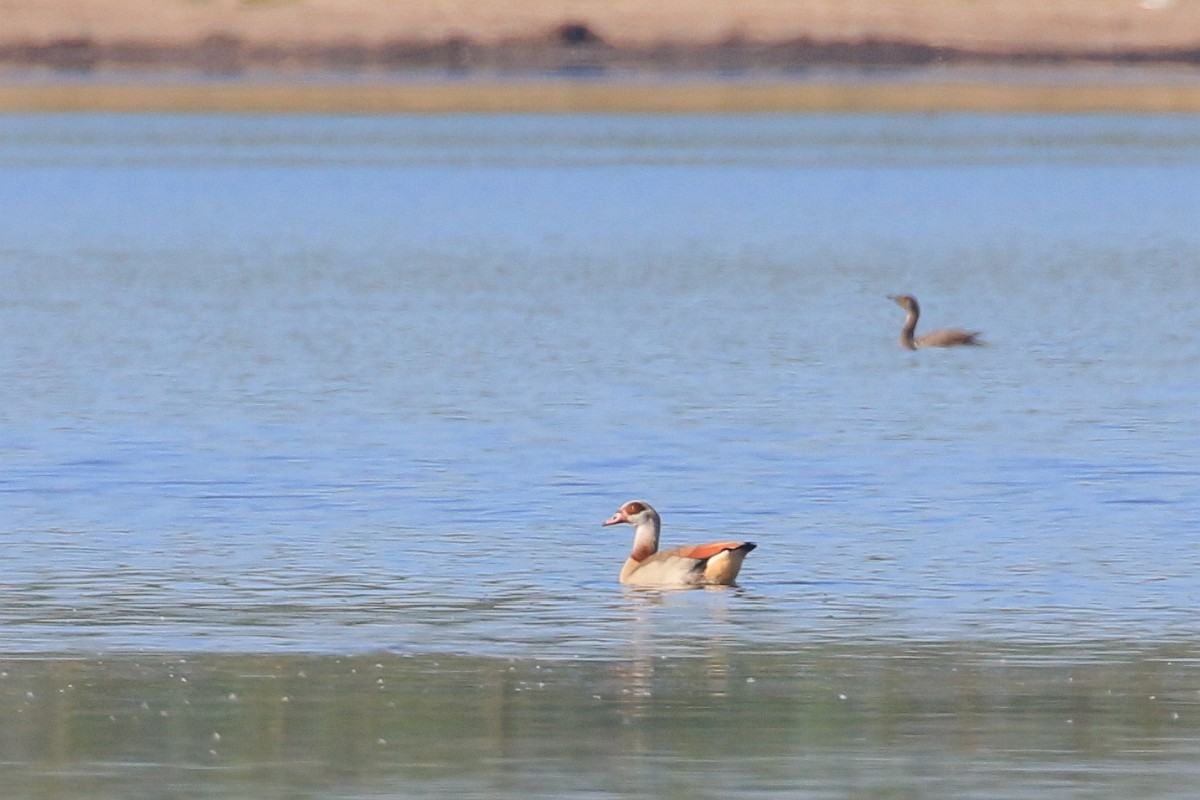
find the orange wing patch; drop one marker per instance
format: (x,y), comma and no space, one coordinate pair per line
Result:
(703,551)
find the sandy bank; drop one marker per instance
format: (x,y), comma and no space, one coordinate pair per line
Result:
(561,96)
(234,35)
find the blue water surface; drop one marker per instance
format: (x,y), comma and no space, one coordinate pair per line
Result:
(340,384)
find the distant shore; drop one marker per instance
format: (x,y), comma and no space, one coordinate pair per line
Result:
(374,37)
(440,56)
(1050,92)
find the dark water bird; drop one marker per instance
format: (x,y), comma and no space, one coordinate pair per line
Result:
(943,337)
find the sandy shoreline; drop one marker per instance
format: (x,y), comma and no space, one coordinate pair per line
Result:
(235,36)
(598,55)
(567,96)
(995,25)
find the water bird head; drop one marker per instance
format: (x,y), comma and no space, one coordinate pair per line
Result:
(633,513)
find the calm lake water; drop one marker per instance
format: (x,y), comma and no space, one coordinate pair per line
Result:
(308,426)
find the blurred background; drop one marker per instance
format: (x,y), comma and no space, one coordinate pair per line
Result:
(756,40)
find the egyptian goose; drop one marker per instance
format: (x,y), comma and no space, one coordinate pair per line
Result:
(946,337)
(694,565)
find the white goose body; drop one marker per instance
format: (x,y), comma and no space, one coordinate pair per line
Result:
(715,563)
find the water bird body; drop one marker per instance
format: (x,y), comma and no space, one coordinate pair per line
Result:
(943,337)
(715,563)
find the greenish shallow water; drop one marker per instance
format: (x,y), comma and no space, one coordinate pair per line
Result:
(945,720)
